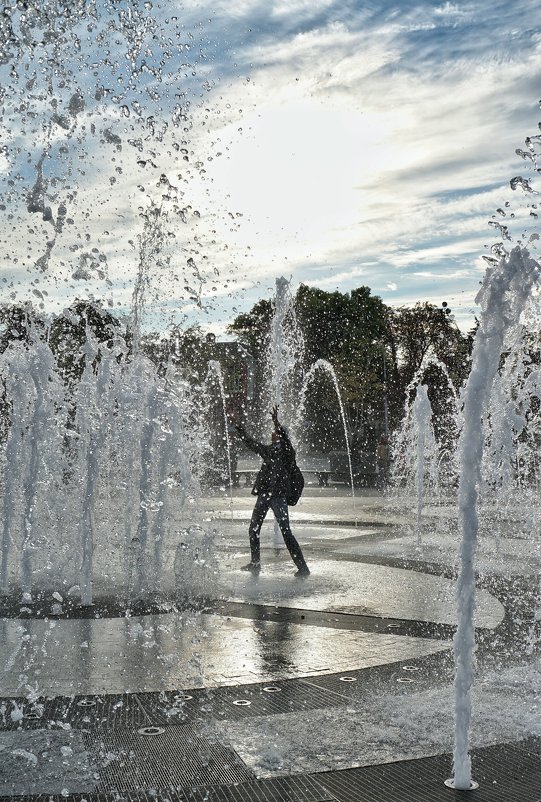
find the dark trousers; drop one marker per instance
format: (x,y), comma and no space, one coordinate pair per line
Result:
(278,505)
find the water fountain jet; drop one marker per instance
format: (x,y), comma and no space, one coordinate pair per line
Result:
(503,297)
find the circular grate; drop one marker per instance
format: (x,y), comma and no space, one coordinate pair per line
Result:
(451,784)
(272,689)
(86,703)
(242,702)
(151,731)
(348,679)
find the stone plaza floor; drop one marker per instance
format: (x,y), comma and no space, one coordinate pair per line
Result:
(333,688)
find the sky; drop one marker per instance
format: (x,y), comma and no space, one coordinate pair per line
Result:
(177,158)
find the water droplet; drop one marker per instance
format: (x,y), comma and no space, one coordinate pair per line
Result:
(518,180)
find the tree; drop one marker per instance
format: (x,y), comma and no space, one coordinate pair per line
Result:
(351,332)
(185,349)
(253,329)
(19,322)
(68,334)
(424,330)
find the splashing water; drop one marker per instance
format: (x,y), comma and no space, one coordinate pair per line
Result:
(286,348)
(503,298)
(507,289)
(424,448)
(326,367)
(285,357)
(215,368)
(94,470)
(421,463)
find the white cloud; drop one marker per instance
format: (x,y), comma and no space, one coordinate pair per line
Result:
(366,150)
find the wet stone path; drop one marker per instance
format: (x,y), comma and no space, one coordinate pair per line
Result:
(276,689)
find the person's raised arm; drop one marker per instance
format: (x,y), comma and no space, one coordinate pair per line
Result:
(252,444)
(282,432)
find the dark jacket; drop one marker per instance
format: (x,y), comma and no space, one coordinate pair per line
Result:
(273,476)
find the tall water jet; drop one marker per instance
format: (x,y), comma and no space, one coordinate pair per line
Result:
(423,463)
(215,369)
(324,366)
(424,447)
(285,353)
(35,401)
(285,358)
(503,296)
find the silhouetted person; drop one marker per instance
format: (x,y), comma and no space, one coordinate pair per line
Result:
(270,487)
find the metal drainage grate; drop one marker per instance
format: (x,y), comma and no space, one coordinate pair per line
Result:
(405,680)
(505,773)
(86,703)
(297,788)
(179,757)
(242,702)
(348,679)
(272,689)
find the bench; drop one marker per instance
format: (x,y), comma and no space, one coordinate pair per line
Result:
(248,469)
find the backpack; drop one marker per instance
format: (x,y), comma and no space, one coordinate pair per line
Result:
(295,485)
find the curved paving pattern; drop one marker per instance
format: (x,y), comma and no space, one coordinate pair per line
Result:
(173,651)
(340,679)
(360,589)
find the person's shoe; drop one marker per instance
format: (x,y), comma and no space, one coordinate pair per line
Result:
(253,567)
(304,571)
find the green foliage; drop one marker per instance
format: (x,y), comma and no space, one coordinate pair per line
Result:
(426,328)
(375,352)
(253,329)
(19,322)
(183,348)
(349,330)
(68,334)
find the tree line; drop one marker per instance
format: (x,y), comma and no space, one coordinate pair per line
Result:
(375,351)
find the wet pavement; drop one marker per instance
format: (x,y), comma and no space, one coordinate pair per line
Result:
(348,668)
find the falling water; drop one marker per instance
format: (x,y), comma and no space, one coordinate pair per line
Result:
(35,399)
(451,425)
(285,356)
(91,483)
(422,416)
(286,347)
(511,455)
(215,368)
(420,462)
(326,367)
